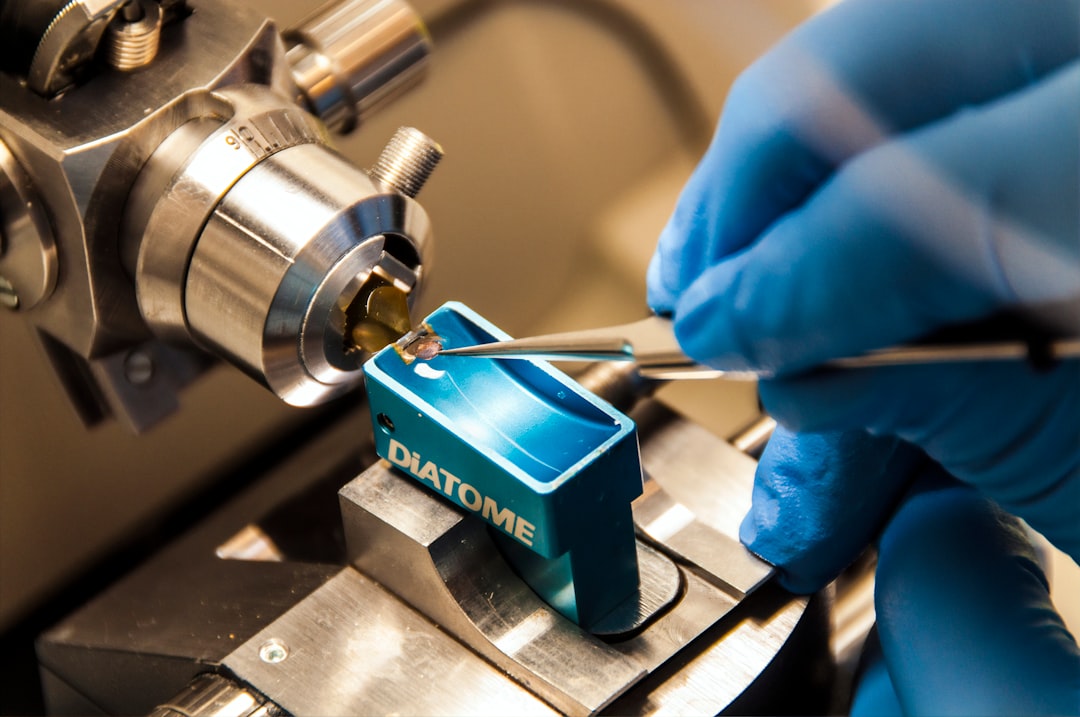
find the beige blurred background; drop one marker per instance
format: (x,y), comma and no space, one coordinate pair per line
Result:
(569,128)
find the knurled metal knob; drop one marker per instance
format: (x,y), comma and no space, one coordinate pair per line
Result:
(134,35)
(407,161)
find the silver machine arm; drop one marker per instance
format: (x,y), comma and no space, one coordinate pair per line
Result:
(167,180)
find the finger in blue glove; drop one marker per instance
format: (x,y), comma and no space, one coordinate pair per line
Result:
(972,215)
(846,81)
(964,612)
(819,499)
(1005,429)
(874,694)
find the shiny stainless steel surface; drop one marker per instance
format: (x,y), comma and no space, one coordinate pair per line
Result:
(28,261)
(434,557)
(710,681)
(355,649)
(853,612)
(281,259)
(443,563)
(651,344)
(85,148)
(211,695)
(751,439)
(685,533)
(1054,350)
(698,469)
(671,524)
(693,466)
(155,162)
(253,238)
(184,180)
(349,57)
(682,456)
(661,585)
(140,386)
(353,646)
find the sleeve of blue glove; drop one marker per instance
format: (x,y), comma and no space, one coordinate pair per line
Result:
(964,613)
(850,79)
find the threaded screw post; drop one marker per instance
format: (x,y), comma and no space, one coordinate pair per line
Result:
(134,36)
(407,161)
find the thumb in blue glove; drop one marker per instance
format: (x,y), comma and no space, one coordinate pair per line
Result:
(964,613)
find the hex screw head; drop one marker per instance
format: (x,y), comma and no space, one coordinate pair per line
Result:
(273,651)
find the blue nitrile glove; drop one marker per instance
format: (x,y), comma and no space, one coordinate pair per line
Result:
(890,168)
(964,619)
(963,609)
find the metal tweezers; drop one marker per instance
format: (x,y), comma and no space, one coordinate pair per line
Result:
(651,344)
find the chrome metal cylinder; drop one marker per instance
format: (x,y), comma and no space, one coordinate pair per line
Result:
(246,233)
(349,57)
(185,178)
(281,259)
(752,439)
(210,695)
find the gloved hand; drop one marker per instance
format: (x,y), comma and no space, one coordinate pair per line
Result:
(888,169)
(964,616)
